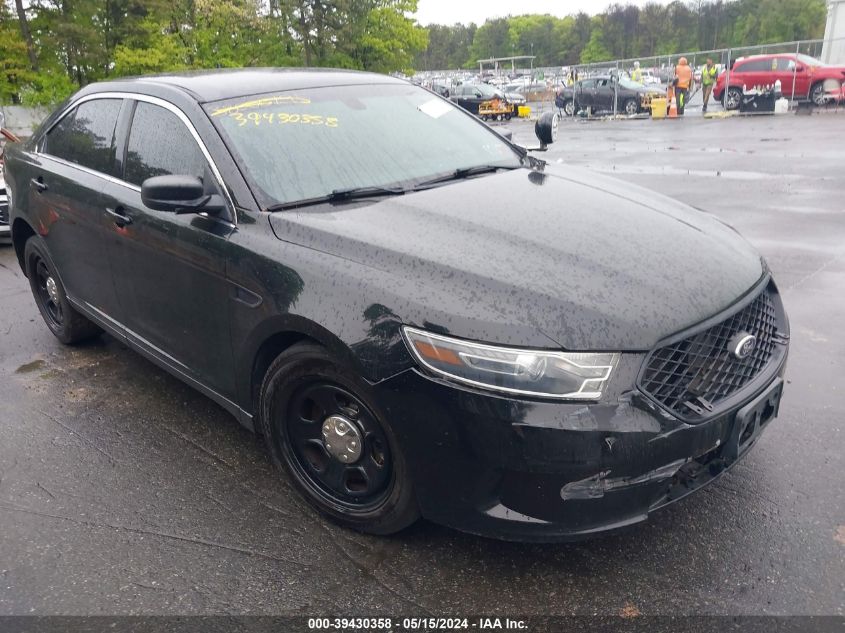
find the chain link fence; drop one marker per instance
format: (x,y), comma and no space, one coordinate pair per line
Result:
(795,66)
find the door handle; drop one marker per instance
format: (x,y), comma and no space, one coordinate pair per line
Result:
(39,185)
(119,216)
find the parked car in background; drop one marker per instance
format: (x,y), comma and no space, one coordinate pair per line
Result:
(444,90)
(514,95)
(599,93)
(400,302)
(471,96)
(5,231)
(801,77)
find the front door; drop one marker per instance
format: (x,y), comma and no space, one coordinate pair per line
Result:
(170,270)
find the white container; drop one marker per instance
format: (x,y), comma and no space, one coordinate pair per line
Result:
(782,106)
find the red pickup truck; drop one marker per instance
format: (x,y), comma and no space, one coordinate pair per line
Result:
(801,77)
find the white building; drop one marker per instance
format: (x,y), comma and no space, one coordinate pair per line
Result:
(833,51)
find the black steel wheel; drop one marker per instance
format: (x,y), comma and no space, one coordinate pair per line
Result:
(338,445)
(323,427)
(66,324)
(46,293)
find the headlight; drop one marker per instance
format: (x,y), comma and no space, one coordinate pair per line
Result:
(541,374)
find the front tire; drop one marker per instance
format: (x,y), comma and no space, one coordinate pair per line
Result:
(66,324)
(732,98)
(324,428)
(630,107)
(569,107)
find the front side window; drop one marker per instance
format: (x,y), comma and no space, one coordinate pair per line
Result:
(310,143)
(85,136)
(160,145)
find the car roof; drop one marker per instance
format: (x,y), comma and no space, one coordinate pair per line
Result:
(214,85)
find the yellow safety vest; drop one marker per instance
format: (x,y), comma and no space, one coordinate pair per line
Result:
(708,75)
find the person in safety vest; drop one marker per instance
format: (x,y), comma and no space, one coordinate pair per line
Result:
(683,81)
(708,80)
(637,74)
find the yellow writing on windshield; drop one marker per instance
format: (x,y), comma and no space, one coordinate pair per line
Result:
(261,103)
(282,118)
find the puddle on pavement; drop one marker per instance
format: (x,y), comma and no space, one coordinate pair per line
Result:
(657,170)
(31,367)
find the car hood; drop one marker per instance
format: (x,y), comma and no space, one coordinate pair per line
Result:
(582,259)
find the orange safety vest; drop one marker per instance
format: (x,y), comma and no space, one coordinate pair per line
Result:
(684,75)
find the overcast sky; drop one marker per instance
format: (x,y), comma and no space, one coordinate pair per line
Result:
(466,11)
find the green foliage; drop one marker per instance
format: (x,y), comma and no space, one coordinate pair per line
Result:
(625,31)
(15,71)
(59,45)
(595,50)
(75,42)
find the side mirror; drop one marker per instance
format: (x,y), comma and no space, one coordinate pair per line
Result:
(799,69)
(179,194)
(546,128)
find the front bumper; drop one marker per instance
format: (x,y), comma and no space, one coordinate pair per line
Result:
(544,471)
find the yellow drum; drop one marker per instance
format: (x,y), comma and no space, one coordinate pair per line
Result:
(658,107)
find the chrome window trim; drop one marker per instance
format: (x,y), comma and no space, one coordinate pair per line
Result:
(154,101)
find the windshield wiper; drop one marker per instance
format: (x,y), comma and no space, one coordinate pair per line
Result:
(339,195)
(464,172)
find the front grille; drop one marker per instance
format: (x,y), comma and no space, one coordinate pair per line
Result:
(693,376)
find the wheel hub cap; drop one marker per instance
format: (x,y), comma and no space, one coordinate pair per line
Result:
(342,439)
(52,290)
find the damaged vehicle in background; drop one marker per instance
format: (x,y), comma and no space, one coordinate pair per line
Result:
(542,375)
(599,94)
(5,230)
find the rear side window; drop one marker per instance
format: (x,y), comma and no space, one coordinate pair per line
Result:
(85,136)
(755,66)
(160,145)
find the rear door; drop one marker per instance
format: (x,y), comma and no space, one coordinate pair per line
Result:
(754,72)
(170,270)
(586,93)
(603,94)
(76,158)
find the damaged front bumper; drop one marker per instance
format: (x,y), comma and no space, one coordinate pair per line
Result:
(543,471)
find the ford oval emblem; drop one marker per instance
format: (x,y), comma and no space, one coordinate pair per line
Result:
(742,345)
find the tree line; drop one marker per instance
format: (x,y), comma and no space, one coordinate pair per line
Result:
(625,31)
(49,48)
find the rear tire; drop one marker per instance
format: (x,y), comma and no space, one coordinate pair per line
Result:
(631,107)
(66,324)
(817,94)
(367,487)
(569,107)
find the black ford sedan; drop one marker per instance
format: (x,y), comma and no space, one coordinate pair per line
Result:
(421,318)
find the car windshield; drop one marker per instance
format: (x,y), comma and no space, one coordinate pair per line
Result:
(486,90)
(630,84)
(306,144)
(811,61)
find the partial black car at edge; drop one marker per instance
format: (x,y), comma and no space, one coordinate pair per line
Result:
(421,318)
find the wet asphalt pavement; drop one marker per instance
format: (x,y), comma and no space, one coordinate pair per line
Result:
(123,491)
